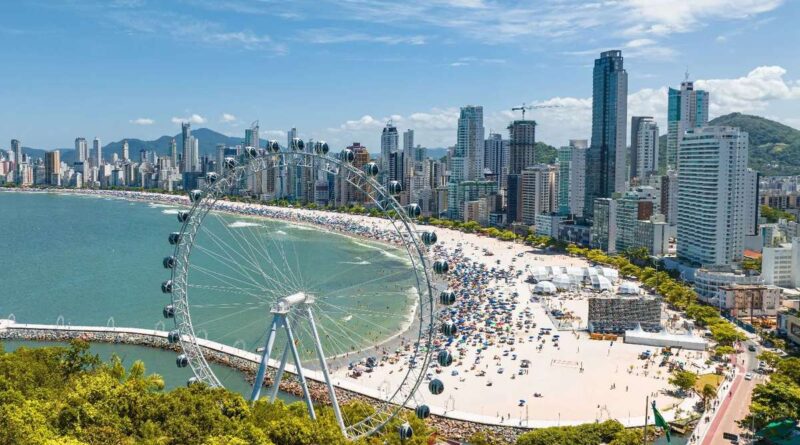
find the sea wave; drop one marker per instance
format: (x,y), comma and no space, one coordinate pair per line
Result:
(241,224)
(172,211)
(362,262)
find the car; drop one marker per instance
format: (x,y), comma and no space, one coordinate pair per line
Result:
(751,348)
(748,376)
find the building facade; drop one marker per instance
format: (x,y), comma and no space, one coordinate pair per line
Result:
(605,159)
(712,175)
(687,109)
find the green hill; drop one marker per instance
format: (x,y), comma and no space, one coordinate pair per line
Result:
(774,147)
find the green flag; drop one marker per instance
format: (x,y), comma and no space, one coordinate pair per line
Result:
(659,421)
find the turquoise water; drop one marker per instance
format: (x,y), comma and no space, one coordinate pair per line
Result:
(97,261)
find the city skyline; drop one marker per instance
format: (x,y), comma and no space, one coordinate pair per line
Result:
(418,82)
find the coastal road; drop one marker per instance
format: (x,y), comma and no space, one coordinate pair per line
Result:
(736,406)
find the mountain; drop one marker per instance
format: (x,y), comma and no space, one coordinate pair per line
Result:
(774,147)
(208,145)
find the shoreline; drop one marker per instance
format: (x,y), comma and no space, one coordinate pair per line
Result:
(495,304)
(238,209)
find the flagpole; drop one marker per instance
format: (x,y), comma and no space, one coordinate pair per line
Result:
(646,408)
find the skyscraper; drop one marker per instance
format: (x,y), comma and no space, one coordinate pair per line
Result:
(125,148)
(98,152)
(467,161)
(186,133)
(687,109)
(605,159)
(495,157)
(539,191)
(389,144)
(173,150)
(16,148)
(521,154)
(577,176)
(644,146)
(712,195)
(81,150)
(251,136)
(52,168)
(522,146)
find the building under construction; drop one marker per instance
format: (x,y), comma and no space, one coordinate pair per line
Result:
(620,313)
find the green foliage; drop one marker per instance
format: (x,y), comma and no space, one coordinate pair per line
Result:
(770,358)
(774,147)
(721,351)
(772,215)
(586,434)
(67,396)
(726,334)
(779,397)
(683,380)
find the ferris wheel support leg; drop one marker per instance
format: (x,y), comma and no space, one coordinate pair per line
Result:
(299,369)
(276,382)
(324,365)
(262,368)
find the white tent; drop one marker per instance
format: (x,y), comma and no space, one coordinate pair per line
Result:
(609,273)
(639,336)
(563,281)
(600,283)
(628,288)
(544,287)
(540,273)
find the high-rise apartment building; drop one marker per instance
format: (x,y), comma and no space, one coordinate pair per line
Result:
(577,176)
(390,141)
(125,150)
(252,137)
(98,152)
(522,145)
(81,150)
(539,191)
(521,154)
(687,108)
(712,202)
(16,148)
(467,161)
(52,168)
(186,133)
(644,147)
(495,157)
(605,159)
(173,150)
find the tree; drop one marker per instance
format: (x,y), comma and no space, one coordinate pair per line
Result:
(708,393)
(683,380)
(725,334)
(770,358)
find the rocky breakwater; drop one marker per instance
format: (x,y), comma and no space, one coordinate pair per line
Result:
(451,428)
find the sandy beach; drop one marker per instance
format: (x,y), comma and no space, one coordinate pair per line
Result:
(577,379)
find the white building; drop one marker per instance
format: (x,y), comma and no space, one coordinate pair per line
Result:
(712,189)
(780,265)
(644,146)
(539,191)
(708,282)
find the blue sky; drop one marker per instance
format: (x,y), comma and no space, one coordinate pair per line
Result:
(337,70)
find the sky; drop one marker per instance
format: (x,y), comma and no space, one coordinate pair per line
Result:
(338,70)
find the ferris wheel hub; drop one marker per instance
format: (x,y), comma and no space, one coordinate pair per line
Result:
(285,304)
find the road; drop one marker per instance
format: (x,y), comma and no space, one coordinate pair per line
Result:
(736,406)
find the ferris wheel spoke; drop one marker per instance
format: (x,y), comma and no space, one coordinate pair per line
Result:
(251,259)
(226,279)
(225,248)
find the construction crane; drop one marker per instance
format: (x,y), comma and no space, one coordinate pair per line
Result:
(524,108)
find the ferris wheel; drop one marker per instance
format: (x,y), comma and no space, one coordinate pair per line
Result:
(272,285)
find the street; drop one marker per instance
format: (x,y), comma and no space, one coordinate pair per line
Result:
(736,405)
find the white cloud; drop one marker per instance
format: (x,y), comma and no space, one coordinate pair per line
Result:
(143,121)
(333,36)
(227,118)
(562,118)
(494,21)
(193,119)
(751,92)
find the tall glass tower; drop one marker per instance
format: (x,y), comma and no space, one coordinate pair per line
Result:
(605,159)
(687,109)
